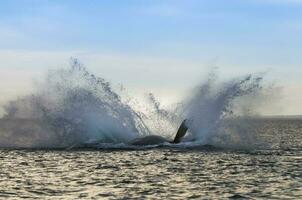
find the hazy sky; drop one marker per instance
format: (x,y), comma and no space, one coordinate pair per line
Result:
(164,46)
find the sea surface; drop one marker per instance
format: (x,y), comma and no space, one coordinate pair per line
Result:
(164,172)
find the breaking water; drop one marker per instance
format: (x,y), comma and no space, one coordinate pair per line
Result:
(72,107)
(70,139)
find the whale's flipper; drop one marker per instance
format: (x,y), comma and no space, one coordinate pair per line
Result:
(181,132)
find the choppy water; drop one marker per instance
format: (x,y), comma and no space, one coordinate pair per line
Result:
(160,173)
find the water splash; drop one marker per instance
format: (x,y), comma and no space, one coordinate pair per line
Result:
(78,106)
(73,106)
(218,113)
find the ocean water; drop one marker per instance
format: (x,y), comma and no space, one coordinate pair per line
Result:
(162,172)
(69,139)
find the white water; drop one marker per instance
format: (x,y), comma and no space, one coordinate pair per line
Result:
(73,106)
(217,110)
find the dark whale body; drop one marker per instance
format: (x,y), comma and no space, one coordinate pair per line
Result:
(149,140)
(155,139)
(142,141)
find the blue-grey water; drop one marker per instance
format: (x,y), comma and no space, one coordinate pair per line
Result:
(165,172)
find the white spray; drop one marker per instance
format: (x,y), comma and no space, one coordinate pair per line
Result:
(73,106)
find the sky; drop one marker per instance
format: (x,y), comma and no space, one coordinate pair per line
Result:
(162,46)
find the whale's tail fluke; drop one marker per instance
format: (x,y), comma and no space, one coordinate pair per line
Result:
(181,132)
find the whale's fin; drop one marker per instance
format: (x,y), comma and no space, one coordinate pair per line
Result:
(181,132)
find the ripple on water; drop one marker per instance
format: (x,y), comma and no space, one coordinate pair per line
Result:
(162,173)
(155,173)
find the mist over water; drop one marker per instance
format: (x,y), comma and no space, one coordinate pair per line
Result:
(72,106)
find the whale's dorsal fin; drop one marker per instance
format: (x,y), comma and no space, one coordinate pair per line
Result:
(181,132)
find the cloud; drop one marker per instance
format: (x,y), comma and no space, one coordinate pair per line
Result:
(132,70)
(22,59)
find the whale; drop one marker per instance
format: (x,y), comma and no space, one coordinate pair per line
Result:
(141,141)
(156,139)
